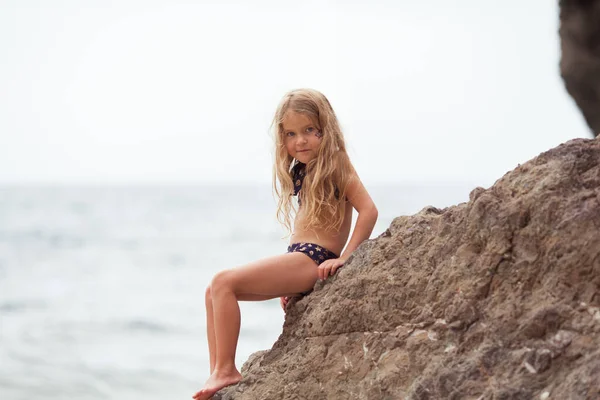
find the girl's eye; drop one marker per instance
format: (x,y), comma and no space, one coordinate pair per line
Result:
(289,134)
(309,129)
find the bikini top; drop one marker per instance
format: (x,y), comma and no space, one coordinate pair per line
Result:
(298,174)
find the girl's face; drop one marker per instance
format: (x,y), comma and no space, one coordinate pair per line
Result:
(301,136)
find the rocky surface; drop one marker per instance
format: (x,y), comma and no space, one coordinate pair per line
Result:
(580,61)
(496,298)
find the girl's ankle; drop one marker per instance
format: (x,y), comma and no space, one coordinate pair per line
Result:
(226,370)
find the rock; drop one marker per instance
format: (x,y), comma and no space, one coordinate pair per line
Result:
(580,60)
(495,298)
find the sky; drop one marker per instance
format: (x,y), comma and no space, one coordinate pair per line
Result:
(183,92)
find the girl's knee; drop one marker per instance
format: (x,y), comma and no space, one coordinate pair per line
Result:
(222,280)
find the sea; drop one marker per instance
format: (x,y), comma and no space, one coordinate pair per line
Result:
(102,287)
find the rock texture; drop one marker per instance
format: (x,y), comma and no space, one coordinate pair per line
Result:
(496,298)
(580,61)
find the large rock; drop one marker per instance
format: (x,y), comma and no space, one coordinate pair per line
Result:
(497,298)
(580,61)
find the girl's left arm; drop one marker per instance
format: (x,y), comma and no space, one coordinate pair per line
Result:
(367,215)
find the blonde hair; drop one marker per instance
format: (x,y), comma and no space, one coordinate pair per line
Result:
(328,172)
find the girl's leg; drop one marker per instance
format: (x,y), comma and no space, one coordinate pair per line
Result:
(210,324)
(284,275)
(210,330)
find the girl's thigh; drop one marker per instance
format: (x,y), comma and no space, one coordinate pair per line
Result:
(284,275)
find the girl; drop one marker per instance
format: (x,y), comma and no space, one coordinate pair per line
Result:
(310,162)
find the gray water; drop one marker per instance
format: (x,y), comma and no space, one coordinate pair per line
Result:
(102,288)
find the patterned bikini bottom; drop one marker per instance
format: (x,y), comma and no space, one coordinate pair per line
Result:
(317,253)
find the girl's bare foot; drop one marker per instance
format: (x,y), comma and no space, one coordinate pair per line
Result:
(217,381)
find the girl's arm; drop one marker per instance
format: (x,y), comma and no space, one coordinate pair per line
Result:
(367,215)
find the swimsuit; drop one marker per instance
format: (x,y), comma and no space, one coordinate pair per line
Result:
(298,174)
(316,253)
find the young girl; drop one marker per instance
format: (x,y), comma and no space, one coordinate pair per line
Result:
(311,163)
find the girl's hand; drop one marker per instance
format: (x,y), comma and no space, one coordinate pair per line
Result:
(328,268)
(284,301)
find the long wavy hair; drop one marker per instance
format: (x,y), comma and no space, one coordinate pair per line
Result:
(328,173)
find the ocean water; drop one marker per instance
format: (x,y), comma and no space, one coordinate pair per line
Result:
(102,288)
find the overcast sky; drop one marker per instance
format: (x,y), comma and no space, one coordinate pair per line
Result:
(184,91)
